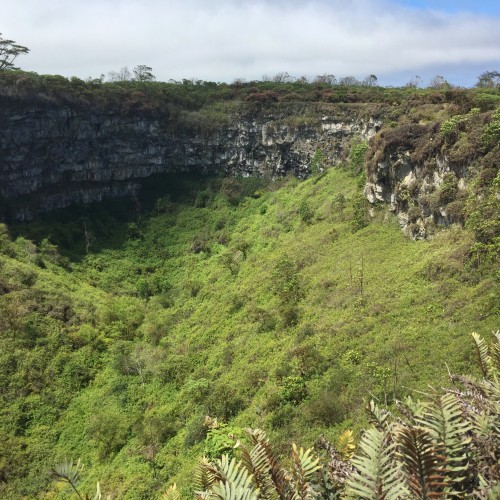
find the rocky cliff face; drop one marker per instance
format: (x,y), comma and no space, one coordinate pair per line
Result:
(433,175)
(414,193)
(52,155)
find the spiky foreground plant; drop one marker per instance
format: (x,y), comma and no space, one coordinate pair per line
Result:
(69,472)
(447,447)
(259,474)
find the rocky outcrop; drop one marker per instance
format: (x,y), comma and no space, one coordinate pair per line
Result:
(53,155)
(422,194)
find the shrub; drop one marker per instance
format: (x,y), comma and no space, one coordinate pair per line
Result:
(293,390)
(357,156)
(360,216)
(305,212)
(414,213)
(448,188)
(326,408)
(456,210)
(196,430)
(109,429)
(318,162)
(221,439)
(491,133)
(202,199)
(224,402)
(285,281)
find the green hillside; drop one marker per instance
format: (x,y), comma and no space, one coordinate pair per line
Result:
(282,306)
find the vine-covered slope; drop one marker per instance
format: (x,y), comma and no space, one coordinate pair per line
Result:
(283,306)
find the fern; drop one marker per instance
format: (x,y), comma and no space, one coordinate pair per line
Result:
(232,491)
(345,445)
(172,493)
(450,432)
(495,350)
(69,472)
(206,475)
(276,473)
(305,466)
(230,480)
(421,462)
(485,360)
(377,417)
(376,476)
(256,463)
(98,495)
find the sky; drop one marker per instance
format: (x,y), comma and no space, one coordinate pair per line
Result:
(223,40)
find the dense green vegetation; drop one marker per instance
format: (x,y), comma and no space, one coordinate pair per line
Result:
(444,447)
(203,106)
(282,305)
(264,306)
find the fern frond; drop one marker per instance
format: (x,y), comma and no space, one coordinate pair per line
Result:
(485,361)
(495,350)
(421,462)
(304,467)
(450,431)
(277,474)
(416,407)
(172,493)
(235,482)
(231,491)
(206,475)
(256,463)
(377,417)
(483,424)
(69,471)
(444,417)
(345,445)
(376,476)
(98,494)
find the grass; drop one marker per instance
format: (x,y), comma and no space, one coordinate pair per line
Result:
(185,315)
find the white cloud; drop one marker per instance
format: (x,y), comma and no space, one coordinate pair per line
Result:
(224,39)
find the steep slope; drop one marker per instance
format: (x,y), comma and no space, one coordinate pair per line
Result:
(285,310)
(64,142)
(280,304)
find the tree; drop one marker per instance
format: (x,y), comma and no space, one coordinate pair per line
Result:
(349,81)
(143,73)
(488,79)
(123,75)
(438,82)
(9,50)
(327,79)
(414,82)
(370,81)
(282,77)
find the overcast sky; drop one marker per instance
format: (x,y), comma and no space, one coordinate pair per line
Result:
(221,40)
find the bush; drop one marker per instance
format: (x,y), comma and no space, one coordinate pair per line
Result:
(109,429)
(414,213)
(196,430)
(448,188)
(293,390)
(357,156)
(285,280)
(224,402)
(305,212)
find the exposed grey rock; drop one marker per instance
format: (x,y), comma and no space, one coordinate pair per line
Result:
(405,185)
(66,155)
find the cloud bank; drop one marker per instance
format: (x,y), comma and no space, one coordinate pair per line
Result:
(222,40)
